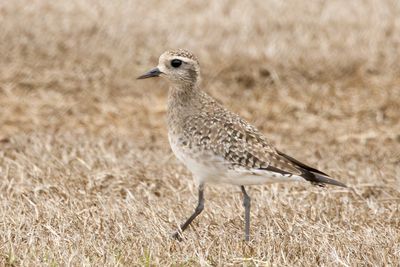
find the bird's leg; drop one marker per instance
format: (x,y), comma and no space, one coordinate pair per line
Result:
(197,211)
(246,204)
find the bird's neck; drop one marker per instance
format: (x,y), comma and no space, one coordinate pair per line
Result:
(182,102)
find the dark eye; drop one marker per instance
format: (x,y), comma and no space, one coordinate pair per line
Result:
(176,63)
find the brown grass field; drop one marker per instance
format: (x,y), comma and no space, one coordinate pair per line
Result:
(87,177)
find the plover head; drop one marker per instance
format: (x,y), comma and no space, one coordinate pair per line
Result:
(180,67)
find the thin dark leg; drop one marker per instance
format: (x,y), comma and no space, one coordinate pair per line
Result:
(246,205)
(197,211)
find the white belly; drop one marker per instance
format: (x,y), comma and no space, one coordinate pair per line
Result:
(208,168)
(202,165)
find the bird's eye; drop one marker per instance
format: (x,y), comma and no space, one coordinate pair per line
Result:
(176,63)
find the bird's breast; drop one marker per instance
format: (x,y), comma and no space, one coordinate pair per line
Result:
(204,164)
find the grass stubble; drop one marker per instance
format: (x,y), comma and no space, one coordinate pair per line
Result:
(87,175)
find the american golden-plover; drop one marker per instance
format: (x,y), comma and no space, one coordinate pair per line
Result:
(216,145)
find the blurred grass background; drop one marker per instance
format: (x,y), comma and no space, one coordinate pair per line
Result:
(87,176)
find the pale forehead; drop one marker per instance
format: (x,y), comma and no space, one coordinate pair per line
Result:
(180,53)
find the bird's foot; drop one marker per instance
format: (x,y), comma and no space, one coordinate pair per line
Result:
(178,236)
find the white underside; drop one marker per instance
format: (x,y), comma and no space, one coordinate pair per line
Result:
(208,168)
(220,173)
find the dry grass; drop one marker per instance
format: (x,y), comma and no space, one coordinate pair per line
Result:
(87,176)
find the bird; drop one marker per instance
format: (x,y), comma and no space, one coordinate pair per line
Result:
(217,145)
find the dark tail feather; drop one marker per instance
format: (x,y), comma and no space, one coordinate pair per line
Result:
(321,179)
(312,175)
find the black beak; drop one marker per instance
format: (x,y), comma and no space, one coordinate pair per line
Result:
(152,73)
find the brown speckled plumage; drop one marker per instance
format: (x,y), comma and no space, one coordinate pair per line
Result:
(217,145)
(182,53)
(214,143)
(199,127)
(204,125)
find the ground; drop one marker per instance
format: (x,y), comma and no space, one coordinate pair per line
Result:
(87,175)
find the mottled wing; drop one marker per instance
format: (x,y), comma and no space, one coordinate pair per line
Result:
(240,144)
